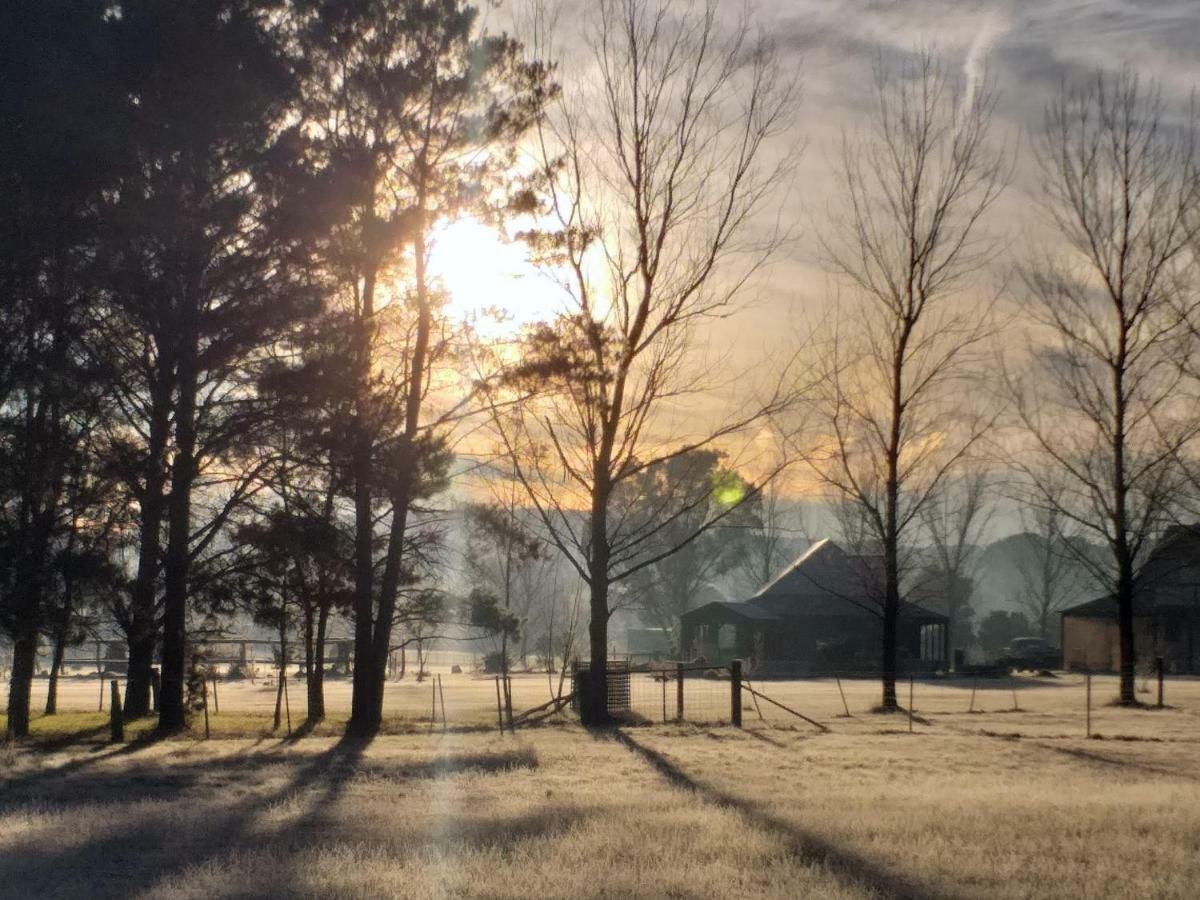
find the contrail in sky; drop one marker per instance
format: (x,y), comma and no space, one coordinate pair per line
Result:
(975,63)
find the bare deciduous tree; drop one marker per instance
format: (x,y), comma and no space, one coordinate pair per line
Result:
(893,419)
(1102,412)
(954,522)
(656,166)
(1052,577)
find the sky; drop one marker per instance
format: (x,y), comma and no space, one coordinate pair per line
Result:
(1028,48)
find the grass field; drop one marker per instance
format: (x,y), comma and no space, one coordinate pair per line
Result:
(997,803)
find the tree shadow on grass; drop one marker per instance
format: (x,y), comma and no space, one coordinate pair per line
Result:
(803,845)
(1111,762)
(92,735)
(98,753)
(764,737)
(164,819)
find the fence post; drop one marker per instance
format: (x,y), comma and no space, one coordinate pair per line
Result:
(1158,665)
(735,693)
(845,705)
(664,693)
(678,692)
(116,719)
(216,699)
(1088,679)
(442,694)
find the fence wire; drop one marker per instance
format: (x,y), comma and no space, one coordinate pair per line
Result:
(1061,703)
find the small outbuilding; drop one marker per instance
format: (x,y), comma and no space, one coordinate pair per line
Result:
(1166,613)
(823,614)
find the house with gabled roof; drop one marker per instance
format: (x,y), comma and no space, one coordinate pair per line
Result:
(822,614)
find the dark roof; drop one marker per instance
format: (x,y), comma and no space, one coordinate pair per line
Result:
(738,610)
(824,578)
(1100,608)
(828,581)
(1169,579)
(1143,605)
(825,581)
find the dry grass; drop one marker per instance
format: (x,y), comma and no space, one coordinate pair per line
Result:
(662,811)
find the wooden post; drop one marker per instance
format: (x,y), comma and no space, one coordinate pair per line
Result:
(216,699)
(664,693)
(845,705)
(204,695)
(679,692)
(1158,665)
(499,706)
(442,694)
(910,703)
(1012,686)
(116,719)
(433,709)
(1088,679)
(100,708)
(974,684)
(735,693)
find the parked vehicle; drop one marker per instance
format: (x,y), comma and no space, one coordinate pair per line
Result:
(1033,653)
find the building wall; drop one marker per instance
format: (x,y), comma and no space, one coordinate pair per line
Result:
(1090,645)
(1095,644)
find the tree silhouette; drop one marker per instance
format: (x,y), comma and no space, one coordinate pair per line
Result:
(891,418)
(1104,437)
(55,161)
(416,113)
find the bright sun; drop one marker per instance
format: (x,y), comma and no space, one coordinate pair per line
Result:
(483,273)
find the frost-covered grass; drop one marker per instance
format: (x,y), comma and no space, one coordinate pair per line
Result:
(961,808)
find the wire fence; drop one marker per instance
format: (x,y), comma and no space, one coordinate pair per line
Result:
(1048,704)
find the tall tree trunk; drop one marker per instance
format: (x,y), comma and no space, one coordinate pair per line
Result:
(361,701)
(20,684)
(389,585)
(598,625)
(598,642)
(316,675)
(142,634)
(55,668)
(891,529)
(1125,596)
(891,616)
(172,716)
(1121,529)
(309,653)
(283,648)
